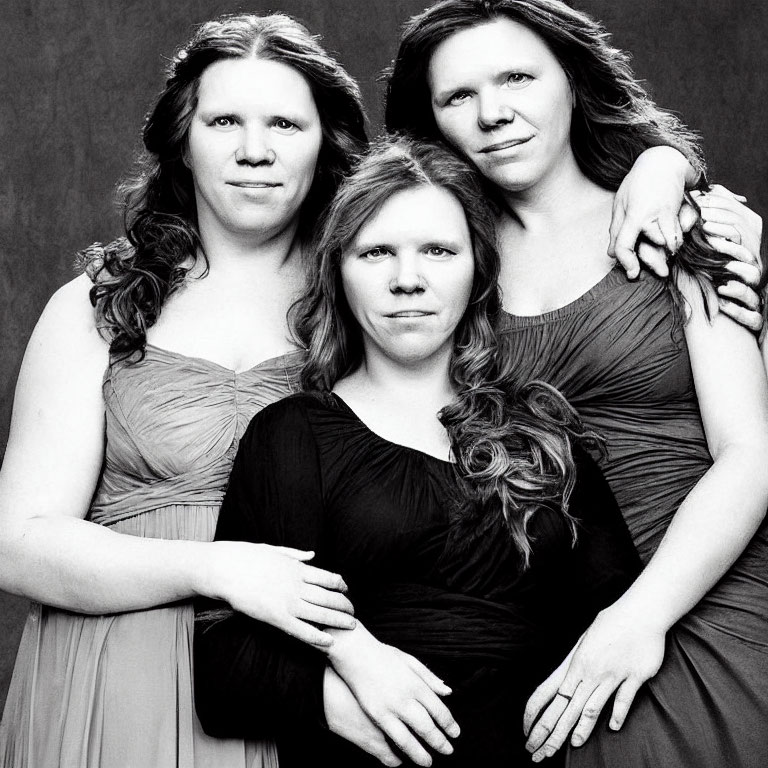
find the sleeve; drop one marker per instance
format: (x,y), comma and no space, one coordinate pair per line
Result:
(251,679)
(605,559)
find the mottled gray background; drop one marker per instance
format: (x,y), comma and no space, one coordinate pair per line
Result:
(78,76)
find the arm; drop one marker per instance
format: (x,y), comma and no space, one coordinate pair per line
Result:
(649,203)
(624,647)
(48,551)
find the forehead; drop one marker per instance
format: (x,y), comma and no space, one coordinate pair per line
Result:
(500,43)
(422,212)
(253,82)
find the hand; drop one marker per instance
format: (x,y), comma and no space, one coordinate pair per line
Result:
(649,202)
(346,718)
(617,653)
(735,231)
(275,585)
(398,693)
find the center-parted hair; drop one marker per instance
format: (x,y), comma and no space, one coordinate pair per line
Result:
(614,119)
(512,442)
(137,273)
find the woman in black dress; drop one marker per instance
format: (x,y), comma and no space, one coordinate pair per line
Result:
(470,534)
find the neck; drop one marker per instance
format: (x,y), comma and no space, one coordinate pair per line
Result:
(396,381)
(244,254)
(556,198)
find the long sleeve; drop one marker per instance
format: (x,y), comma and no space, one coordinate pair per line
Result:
(605,560)
(252,680)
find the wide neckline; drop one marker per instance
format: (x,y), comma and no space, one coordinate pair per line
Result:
(296,354)
(614,275)
(348,409)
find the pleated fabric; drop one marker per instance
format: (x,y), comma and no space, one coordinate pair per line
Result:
(621,360)
(115,691)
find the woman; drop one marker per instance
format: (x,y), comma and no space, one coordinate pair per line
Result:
(453,508)
(127,418)
(531,93)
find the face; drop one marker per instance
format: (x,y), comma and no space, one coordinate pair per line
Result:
(408,273)
(252,146)
(501,98)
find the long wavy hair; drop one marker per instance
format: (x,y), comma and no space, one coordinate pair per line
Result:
(614,119)
(512,443)
(137,273)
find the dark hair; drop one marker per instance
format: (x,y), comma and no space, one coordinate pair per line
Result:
(159,202)
(512,443)
(614,119)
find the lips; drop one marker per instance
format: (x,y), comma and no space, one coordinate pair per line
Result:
(410,313)
(254,184)
(505,144)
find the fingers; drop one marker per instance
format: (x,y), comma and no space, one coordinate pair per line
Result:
(743,316)
(544,694)
(296,554)
(687,217)
(592,709)
(738,291)
(546,724)
(323,578)
(305,632)
(728,231)
(617,221)
(719,189)
(623,701)
(623,248)
(422,724)
(428,676)
(735,250)
(324,616)
(327,598)
(654,257)
(404,740)
(672,233)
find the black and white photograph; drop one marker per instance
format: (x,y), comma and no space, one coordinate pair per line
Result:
(383,383)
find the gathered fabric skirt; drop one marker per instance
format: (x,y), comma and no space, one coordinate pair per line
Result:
(116,691)
(708,705)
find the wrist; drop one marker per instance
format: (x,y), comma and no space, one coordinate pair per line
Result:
(669,159)
(636,614)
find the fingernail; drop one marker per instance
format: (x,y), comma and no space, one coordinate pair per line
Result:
(537,758)
(454,730)
(446,749)
(615,725)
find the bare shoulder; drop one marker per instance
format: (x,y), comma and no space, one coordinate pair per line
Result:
(68,323)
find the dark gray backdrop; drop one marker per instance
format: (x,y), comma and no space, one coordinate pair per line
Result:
(77,78)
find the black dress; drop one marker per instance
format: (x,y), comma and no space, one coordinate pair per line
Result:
(424,576)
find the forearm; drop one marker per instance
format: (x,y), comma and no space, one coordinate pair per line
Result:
(77,565)
(707,534)
(254,681)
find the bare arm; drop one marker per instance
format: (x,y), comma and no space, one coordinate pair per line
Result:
(48,551)
(625,645)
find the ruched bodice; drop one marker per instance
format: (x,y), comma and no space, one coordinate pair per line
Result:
(116,690)
(617,356)
(173,424)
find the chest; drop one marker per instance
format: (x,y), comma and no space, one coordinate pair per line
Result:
(543,271)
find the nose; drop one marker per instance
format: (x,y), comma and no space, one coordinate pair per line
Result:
(406,277)
(254,147)
(494,109)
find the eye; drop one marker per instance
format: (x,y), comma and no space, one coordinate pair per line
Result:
(518,78)
(223,121)
(457,98)
(439,252)
(378,253)
(285,125)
